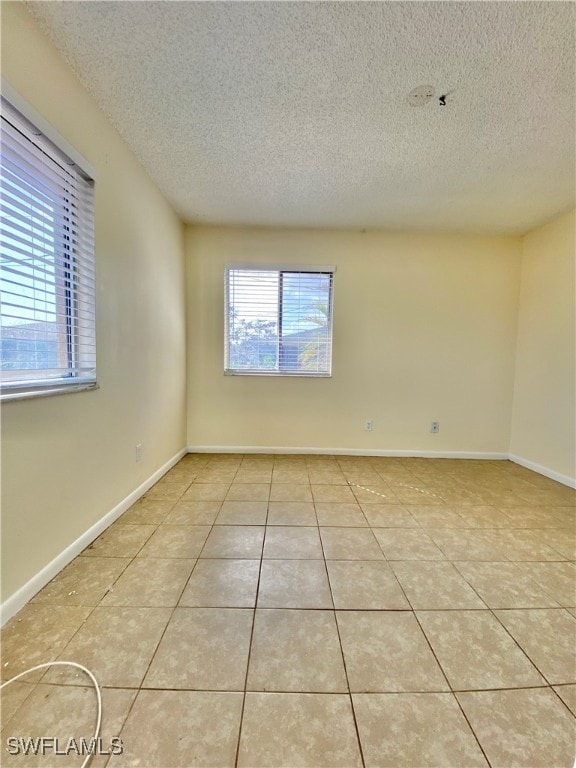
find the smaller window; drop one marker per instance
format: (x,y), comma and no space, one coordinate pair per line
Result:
(279,321)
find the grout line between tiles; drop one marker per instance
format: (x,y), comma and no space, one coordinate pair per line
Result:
(441,667)
(163,633)
(356,728)
(237,756)
(525,653)
(477,738)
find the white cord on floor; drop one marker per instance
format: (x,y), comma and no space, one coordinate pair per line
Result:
(83,669)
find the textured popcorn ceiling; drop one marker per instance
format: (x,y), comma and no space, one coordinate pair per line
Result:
(295,113)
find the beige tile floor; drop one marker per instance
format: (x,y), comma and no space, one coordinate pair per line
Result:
(314,611)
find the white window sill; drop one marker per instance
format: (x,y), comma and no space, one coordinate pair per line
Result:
(8,395)
(280,374)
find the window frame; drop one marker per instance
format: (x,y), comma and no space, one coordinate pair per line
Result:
(279,270)
(71,265)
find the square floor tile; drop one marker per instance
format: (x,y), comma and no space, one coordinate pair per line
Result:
(415,729)
(303,730)
(407,544)
(222,584)
(557,579)
(476,652)
(248,492)
(522,544)
(374,493)
(365,585)
(235,541)
(504,585)
(548,637)
(333,493)
(350,544)
(290,492)
(194,513)
(321,477)
(521,729)
(290,476)
(66,712)
(206,492)
(388,516)
(566,515)
(120,541)
(289,461)
(291,513)
(361,475)
(483,516)
(84,582)
(116,644)
(532,517)
(467,544)
(508,498)
(436,516)
(147,512)
(150,582)
(459,497)
(568,695)
(176,541)
(294,584)
(254,475)
(340,514)
(414,493)
(430,585)
(179,729)
(169,481)
(292,542)
(181,472)
(216,476)
(294,650)
(203,649)
(387,651)
(243,513)
(37,634)
(166,491)
(12,697)
(256,462)
(561,541)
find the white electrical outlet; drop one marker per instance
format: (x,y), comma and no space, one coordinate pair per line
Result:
(139,452)
(368,425)
(435,427)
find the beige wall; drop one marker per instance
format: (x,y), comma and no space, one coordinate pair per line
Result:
(68,460)
(424,329)
(544,419)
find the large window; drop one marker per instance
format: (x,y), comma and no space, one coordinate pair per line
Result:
(279,321)
(47,310)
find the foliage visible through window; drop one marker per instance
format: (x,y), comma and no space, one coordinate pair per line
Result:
(279,321)
(46,264)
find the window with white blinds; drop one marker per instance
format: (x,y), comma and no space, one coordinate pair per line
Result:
(47,289)
(279,321)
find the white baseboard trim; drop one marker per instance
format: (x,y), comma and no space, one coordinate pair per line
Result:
(490,455)
(552,474)
(19,599)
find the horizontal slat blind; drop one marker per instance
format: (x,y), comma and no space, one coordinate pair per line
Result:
(47,271)
(279,321)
